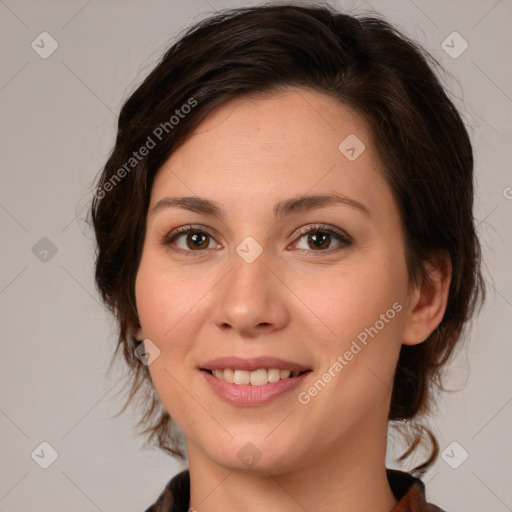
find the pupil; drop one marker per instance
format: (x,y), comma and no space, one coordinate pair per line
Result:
(321,239)
(197,238)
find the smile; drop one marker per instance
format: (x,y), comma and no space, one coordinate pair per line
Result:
(258,377)
(251,395)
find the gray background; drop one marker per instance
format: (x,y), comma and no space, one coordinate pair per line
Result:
(58,125)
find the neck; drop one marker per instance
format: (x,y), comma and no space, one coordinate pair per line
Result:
(351,477)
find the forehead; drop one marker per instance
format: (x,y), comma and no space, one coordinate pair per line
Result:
(295,123)
(255,149)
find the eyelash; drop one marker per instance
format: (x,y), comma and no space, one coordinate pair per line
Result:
(343,239)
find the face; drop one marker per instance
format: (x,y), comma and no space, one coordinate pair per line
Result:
(252,268)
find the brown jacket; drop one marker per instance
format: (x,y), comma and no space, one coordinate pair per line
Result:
(409,490)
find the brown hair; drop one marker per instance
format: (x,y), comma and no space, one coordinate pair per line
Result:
(366,64)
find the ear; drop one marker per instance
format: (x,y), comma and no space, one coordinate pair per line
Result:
(139,334)
(427,301)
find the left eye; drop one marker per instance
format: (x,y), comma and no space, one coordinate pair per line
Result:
(319,239)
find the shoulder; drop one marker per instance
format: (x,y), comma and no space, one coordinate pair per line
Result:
(410,493)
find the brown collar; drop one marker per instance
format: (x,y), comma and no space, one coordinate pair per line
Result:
(410,493)
(408,489)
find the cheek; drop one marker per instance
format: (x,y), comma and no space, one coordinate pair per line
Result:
(361,311)
(172,305)
(358,358)
(168,307)
(166,300)
(346,302)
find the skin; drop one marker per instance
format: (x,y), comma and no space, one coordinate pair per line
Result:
(295,302)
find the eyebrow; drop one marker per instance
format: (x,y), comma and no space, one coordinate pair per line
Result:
(283,209)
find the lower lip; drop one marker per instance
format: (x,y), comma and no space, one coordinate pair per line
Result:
(247,395)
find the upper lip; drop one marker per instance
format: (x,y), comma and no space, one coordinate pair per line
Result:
(252,364)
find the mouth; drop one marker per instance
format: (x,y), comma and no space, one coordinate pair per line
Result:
(256,381)
(256,386)
(258,377)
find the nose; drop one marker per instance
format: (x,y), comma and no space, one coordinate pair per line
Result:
(251,299)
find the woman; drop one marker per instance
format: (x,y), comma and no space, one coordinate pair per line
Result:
(286,239)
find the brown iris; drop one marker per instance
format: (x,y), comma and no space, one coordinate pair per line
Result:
(320,240)
(197,240)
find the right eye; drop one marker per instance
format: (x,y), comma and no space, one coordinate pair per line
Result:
(189,239)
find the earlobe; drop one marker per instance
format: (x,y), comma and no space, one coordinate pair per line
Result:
(139,334)
(428,301)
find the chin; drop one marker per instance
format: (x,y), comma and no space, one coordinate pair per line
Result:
(257,454)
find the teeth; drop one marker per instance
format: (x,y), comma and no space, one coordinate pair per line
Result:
(274,374)
(241,377)
(255,378)
(258,377)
